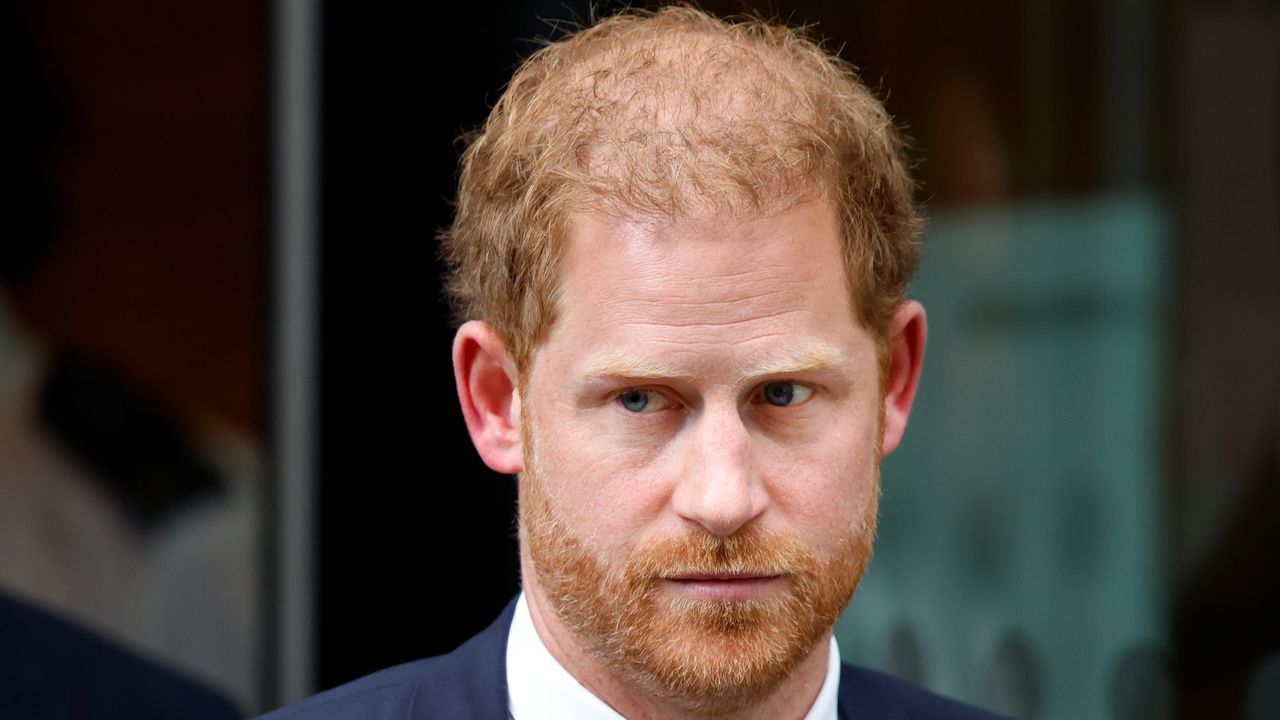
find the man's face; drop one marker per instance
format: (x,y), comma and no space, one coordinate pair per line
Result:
(702,449)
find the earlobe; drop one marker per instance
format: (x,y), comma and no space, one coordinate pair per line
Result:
(485,375)
(908,332)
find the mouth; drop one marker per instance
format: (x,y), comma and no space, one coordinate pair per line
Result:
(724,587)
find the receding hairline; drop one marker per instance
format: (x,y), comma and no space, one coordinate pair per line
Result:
(575,132)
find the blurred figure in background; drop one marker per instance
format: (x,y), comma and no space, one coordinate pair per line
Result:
(51,669)
(128,342)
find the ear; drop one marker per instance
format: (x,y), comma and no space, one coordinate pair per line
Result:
(486,378)
(907,334)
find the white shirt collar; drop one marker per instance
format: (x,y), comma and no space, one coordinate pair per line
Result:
(539,688)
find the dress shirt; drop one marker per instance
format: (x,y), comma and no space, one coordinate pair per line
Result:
(539,688)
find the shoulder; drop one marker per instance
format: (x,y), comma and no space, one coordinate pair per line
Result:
(53,668)
(867,693)
(388,693)
(469,682)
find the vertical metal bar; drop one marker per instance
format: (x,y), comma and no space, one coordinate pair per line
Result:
(295,366)
(1128,29)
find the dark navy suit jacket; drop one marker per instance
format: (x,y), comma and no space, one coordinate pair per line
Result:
(470,683)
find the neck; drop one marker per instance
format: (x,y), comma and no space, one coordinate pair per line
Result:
(790,700)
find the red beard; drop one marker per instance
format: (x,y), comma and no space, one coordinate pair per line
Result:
(703,655)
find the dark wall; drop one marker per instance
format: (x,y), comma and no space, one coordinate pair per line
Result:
(418,546)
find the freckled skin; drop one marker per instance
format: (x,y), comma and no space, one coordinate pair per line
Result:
(709,297)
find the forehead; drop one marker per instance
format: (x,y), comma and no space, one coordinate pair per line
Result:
(711,288)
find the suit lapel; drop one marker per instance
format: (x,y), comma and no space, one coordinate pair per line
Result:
(860,697)
(474,684)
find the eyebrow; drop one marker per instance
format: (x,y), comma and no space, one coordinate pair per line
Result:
(803,359)
(633,366)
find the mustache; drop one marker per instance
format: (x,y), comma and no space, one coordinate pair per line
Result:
(750,553)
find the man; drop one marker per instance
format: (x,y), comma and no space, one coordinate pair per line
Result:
(681,250)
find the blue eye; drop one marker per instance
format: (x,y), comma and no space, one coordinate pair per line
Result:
(784,393)
(641,400)
(634,400)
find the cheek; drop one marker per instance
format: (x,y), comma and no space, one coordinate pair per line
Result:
(822,487)
(606,490)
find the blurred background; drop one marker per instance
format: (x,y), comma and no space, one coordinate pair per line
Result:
(230,447)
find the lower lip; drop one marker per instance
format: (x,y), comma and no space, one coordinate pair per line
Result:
(730,590)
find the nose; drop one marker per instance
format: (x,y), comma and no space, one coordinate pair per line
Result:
(719,487)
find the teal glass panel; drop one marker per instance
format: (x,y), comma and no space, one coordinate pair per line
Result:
(1018,559)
